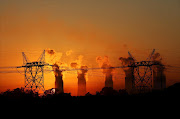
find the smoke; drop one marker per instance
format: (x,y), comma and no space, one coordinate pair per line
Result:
(77,63)
(51,52)
(61,62)
(104,63)
(81,75)
(74,65)
(157,58)
(58,79)
(82,81)
(79,60)
(129,71)
(56,70)
(84,70)
(159,77)
(69,52)
(126,61)
(53,57)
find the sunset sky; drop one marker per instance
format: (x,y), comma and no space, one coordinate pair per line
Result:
(85,29)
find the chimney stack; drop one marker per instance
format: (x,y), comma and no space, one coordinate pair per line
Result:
(82,81)
(159,78)
(58,79)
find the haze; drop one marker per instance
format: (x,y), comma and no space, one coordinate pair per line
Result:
(88,28)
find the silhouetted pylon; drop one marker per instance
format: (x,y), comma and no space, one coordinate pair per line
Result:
(34,73)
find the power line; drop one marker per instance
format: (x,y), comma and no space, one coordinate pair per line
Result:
(172,71)
(75,69)
(10,67)
(172,66)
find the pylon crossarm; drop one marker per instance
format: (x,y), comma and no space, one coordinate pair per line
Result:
(42,57)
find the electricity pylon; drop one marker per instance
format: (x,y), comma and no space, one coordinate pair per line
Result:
(142,74)
(34,73)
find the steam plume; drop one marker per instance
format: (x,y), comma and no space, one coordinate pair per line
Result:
(129,72)
(58,79)
(74,65)
(159,78)
(82,81)
(107,70)
(158,59)
(53,57)
(81,75)
(51,52)
(126,61)
(69,52)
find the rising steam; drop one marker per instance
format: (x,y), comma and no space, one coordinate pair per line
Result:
(58,79)
(81,75)
(53,57)
(126,61)
(158,60)
(104,63)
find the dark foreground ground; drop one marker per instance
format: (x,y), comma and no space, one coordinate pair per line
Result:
(107,96)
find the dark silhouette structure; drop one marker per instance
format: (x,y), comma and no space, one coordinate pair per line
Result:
(104,63)
(140,77)
(107,71)
(58,79)
(143,76)
(129,73)
(108,80)
(82,81)
(159,78)
(34,72)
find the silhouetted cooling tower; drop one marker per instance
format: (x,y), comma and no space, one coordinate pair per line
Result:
(82,81)
(58,79)
(81,85)
(129,72)
(159,78)
(108,80)
(129,76)
(59,83)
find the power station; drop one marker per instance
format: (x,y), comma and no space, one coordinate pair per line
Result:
(140,77)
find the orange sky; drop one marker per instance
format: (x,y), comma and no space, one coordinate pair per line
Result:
(89,28)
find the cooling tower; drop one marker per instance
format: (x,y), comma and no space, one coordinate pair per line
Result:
(159,78)
(81,84)
(108,80)
(129,77)
(58,81)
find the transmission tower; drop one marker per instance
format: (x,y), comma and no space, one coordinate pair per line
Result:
(34,73)
(142,81)
(142,74)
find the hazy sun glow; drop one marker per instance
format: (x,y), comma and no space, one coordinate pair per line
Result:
(76,33)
